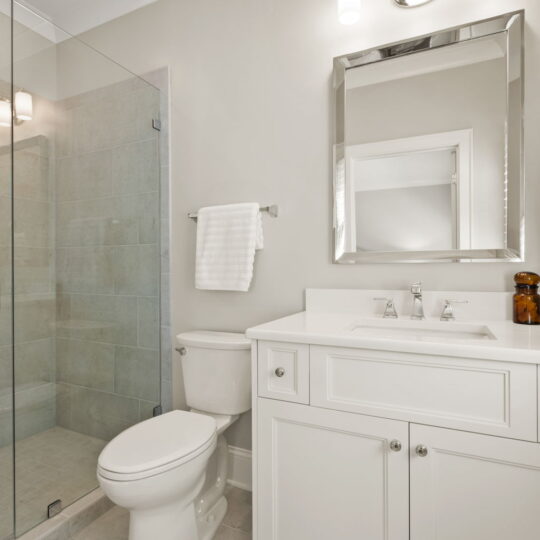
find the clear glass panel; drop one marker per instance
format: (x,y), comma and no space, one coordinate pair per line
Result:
(6,273)
(87,262)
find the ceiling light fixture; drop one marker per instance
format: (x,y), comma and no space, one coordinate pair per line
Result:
(349,11)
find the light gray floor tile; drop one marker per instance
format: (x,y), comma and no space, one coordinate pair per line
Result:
(114,524)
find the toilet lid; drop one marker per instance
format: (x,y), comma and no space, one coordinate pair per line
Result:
(172,438)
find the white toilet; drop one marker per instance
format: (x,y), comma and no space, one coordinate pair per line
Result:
(157,469)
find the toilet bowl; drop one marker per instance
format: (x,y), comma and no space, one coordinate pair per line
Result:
(157,469)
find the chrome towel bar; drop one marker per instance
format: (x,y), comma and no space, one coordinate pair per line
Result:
(272,210)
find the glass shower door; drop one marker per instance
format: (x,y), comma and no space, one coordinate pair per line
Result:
(6,275)
(87,263)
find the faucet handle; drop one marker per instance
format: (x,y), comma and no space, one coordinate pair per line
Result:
(416,288)
(448,309)
(390,309)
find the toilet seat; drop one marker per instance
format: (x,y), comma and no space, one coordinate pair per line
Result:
(157,445)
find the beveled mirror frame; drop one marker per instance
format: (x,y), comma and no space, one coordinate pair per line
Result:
(514,251)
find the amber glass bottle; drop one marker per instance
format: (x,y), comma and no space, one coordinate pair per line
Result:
(527,299)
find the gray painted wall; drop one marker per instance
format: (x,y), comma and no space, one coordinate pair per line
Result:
(251,120)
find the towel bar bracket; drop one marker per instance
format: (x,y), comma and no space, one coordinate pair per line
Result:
(272,210)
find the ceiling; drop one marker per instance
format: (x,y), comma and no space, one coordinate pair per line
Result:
(72,16)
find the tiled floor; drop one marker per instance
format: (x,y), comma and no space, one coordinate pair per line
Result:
(55,464)
(113,525)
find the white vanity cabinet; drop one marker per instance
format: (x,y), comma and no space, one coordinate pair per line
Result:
(364,444)
(473,487)
(324,474)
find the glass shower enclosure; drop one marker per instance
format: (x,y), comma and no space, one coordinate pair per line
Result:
(79,263)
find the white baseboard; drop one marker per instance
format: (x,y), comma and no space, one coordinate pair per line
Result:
(239,468)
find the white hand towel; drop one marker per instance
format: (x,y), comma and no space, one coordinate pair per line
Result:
(227,237)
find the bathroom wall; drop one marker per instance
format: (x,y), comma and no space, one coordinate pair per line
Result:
(251,120)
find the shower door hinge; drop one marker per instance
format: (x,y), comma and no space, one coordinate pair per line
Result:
(156,124)
(54,508)
(158,410)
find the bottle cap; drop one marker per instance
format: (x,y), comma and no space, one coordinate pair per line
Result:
(527,278)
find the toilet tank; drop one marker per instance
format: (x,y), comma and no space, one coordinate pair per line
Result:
(217,371)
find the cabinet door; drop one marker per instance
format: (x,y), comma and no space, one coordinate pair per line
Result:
(473,487)
(325,475)
(291,382)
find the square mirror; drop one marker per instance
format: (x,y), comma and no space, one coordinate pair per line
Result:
(428,153)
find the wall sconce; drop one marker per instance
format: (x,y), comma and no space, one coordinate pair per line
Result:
(23,106)
(349,11)
(23,109)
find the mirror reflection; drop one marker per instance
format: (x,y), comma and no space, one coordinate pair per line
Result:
(426,169)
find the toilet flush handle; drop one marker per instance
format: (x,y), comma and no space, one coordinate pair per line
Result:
(181,350)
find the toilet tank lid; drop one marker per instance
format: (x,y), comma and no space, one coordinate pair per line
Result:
(207,339)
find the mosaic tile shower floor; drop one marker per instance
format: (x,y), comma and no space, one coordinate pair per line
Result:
(54,464)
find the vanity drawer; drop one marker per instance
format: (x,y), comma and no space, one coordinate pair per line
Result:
(483,396)
(283,371)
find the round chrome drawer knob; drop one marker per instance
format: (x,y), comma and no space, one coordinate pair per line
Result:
(421,450)
(279,372)
(395,445)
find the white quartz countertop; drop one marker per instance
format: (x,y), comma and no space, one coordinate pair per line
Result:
(511,343)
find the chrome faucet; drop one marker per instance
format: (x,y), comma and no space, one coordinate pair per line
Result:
(418,307)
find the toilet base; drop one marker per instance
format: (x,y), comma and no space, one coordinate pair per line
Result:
(172,522)
(209,524)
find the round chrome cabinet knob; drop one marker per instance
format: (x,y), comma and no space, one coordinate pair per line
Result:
(279,372)
(395,445)
(421,450)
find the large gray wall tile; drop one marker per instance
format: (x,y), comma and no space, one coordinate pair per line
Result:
(135,167)
(85,363)
(137,373)
(100,414)
(103,318)
(86,269)
(86,176)
(148,322)
(136,270)
(35,361)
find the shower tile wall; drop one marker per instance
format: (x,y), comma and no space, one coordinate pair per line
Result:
(107,259)
(34,292)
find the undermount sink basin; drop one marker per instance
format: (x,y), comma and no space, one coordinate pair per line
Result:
(421,330)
